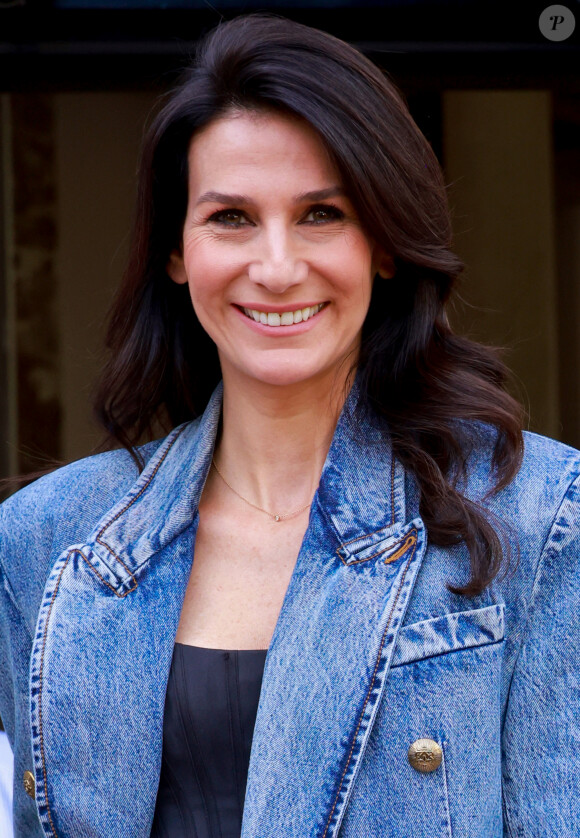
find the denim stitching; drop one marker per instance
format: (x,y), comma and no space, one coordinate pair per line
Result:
(486,644)
(40,677)
(120,562)
(359,538)
(374,555)
(40,674)
(131,502)
(408,540)
(446,789)
(108,584)
(369,691)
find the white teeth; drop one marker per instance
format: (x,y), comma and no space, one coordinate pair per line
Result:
(285,318)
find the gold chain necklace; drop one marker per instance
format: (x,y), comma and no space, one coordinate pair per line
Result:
(260,508)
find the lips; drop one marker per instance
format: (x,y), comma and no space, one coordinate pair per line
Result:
(282,318)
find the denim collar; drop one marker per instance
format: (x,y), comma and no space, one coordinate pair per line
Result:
(361,491)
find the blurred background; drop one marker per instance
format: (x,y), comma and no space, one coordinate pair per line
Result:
(498,99)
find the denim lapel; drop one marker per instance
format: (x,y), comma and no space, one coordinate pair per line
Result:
(103,648)
(161,504)
(330,655)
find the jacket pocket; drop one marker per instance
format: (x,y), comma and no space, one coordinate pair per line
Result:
(450,633)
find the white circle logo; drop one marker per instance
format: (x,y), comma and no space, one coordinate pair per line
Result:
(557,23)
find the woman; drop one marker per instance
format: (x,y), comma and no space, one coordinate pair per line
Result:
(356,495)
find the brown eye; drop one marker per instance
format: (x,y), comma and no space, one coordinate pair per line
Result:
(323,214)
(229,218)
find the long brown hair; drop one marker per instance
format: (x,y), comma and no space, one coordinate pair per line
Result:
(423,379)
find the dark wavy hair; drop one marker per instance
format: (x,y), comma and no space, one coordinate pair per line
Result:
(414,371)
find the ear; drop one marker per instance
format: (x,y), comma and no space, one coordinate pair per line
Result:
(176,268)
(385,265)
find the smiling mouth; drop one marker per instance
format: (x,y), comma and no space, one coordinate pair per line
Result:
(282,318)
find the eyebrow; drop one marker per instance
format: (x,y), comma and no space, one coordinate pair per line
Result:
(243,200)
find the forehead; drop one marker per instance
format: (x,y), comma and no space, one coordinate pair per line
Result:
(256,145)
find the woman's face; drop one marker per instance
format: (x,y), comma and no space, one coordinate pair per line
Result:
(278,266)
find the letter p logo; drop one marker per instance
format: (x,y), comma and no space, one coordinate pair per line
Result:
(556,23)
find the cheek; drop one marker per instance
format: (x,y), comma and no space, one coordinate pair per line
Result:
(203,276)
(348,261)
(359,278)
(210,268)
(354,259)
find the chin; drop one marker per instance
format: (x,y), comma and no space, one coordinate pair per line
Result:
(284,378)
(277,369)
(294,376)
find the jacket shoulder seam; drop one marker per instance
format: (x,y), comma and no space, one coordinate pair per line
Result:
(534,586)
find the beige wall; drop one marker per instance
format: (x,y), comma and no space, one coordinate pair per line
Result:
(499,162)
(97,136)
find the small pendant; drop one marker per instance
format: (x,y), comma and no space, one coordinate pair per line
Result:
(276,517)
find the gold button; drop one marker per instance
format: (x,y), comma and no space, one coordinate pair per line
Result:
(425,755)
(29,784)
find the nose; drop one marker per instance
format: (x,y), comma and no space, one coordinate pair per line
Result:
(278,263)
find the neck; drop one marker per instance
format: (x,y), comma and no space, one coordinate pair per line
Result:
(274,440)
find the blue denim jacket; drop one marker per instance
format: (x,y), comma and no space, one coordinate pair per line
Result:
(371,651)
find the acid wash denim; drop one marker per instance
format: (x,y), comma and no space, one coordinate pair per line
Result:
(371,651)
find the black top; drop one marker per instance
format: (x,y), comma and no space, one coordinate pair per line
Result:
(210,712)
